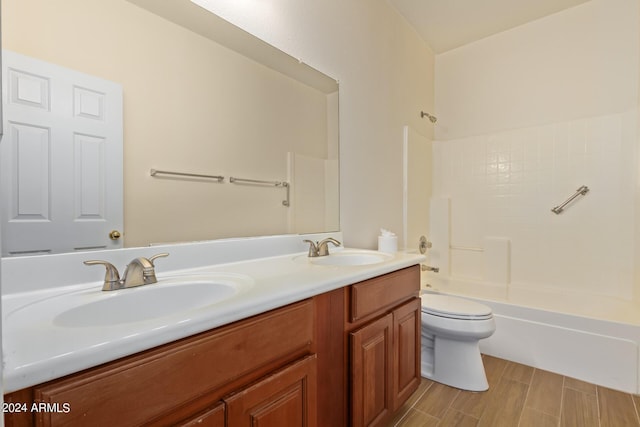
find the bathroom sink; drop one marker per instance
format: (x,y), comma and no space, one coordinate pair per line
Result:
(170,297)
(352,257)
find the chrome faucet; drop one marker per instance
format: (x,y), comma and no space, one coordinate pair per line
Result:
(140,271)
(321,248)
(429,268)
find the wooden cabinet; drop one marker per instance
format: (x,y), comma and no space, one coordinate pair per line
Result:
(406,361)
(349,357)
(371,372)
(181,382)
(384,345)
(286,398)
(211,417)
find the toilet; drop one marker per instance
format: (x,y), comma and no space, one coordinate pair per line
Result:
(451,330)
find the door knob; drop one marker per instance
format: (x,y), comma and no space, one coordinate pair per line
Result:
(114,235)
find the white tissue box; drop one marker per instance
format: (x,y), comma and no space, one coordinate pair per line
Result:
(388,244)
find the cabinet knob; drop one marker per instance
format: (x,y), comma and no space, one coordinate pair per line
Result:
(114,235)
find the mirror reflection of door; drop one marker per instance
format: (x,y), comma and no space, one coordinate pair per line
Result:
(61,159)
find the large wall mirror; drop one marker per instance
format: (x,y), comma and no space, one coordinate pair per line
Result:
(197,96)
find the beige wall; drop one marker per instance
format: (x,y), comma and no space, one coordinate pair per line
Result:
(385,72)
(190,105)
(581,62)
(386,78)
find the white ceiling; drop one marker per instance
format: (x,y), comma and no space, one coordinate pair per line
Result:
(447,24)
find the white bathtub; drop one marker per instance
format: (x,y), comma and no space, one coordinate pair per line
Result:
(589,337)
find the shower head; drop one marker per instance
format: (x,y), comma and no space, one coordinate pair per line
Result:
(433,119)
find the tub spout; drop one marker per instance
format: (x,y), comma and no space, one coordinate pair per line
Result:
(429,268)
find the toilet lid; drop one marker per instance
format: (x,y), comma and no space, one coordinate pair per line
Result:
(454,308)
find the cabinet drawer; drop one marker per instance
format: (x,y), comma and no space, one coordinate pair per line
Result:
(142,387)
(381,293)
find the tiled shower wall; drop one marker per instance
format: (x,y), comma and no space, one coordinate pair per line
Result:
(504,185)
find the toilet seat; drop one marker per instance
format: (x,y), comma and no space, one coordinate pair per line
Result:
(454,308)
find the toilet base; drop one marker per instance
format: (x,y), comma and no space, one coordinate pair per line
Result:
(454,363)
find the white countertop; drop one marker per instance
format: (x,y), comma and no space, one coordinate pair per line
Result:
(37,350)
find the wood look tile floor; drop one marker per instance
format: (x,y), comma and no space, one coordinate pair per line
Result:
(520,396)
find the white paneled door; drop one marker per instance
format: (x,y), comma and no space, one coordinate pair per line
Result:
(60,159)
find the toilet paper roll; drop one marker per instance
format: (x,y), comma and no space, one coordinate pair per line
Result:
(388,244)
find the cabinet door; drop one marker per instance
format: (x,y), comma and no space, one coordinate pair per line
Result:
(212,417)
(285,398)
(371,373)
(406,347)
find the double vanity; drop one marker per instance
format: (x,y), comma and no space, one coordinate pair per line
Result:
(232,333)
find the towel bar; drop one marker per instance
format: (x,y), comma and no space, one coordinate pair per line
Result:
(283,184)
(154,172)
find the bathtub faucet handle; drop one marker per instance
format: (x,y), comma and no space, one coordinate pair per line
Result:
(424,244)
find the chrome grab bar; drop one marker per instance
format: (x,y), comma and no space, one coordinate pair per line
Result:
(154,172)
(283,184)
(579,192)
